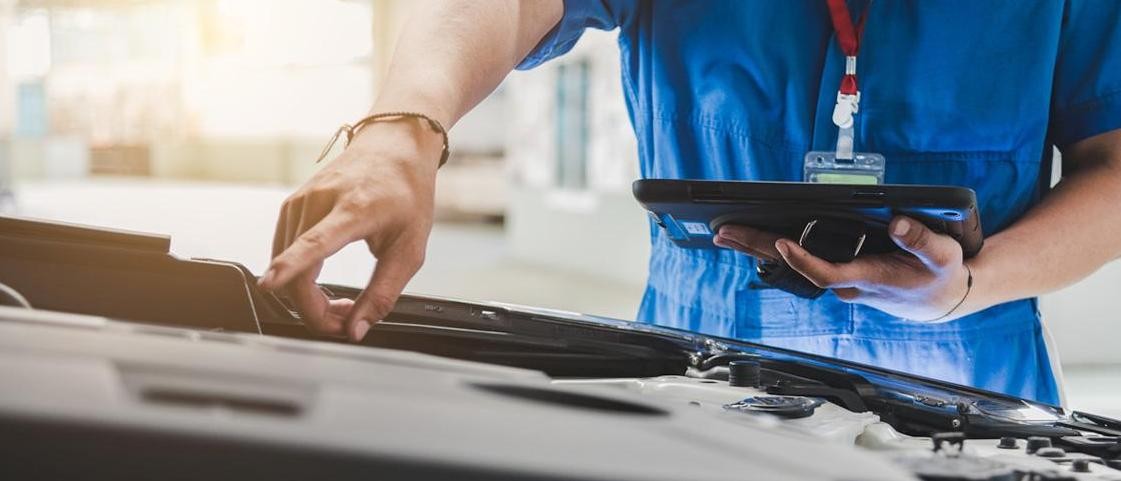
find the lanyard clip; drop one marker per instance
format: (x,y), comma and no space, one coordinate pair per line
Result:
(847,106)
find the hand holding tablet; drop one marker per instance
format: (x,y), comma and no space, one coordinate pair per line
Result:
(835,222)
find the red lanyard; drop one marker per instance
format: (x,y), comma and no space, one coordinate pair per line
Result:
(848,95)
(848,35)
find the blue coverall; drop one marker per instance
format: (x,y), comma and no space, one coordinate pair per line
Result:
(955,92)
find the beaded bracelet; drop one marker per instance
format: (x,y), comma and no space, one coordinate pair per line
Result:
(351,130)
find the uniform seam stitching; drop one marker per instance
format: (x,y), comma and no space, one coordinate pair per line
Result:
(713,124)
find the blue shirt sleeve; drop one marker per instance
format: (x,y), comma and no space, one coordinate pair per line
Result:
(1086,100)
(579,15)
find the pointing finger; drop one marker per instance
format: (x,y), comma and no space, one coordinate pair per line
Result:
(279,235)
(313,304)
(323,239)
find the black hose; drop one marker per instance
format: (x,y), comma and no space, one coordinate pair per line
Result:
(12,297)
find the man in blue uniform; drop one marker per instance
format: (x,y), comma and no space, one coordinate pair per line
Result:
(974,94)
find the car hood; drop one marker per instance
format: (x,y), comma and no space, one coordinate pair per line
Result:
(131,343)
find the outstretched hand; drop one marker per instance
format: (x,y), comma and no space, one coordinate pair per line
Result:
(923,281)
(379,190)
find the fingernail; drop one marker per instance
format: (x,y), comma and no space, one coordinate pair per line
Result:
(783,248)
(901,228)
(360,329)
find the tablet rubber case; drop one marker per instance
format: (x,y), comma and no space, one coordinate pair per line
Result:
(691,211)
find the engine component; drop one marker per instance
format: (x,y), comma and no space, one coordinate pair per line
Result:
(744,373)
(1035,443)
(1105,447)
(958,468)
(790,407)
(1008,442)
(845,397)
(953,439)
(1051,452)
(1081,465)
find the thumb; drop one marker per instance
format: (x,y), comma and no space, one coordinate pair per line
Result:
(933,249)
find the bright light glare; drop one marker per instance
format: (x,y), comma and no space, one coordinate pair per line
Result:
(299,32)
(29,45)
(297,67)
(261,69)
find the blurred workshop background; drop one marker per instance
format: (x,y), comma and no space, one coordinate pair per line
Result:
(195,118)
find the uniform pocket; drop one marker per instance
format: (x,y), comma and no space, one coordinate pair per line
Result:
(769,312)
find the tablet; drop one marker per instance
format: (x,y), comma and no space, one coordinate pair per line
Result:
(691,211)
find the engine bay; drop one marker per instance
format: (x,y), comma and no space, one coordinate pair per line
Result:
(189,368)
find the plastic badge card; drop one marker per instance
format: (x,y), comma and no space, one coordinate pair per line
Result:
(825,168)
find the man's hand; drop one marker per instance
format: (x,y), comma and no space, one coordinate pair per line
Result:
(924,281)
(451,55)
(380,190)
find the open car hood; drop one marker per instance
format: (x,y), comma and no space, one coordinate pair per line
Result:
(188,363)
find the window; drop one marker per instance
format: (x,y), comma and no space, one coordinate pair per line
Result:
(572,125)
(31,109)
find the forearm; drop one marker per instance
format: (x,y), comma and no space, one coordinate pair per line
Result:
(1070,234)
(453,53)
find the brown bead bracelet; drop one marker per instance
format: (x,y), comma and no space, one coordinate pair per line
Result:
(351,130)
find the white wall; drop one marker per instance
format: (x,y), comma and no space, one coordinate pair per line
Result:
(605,235)
(599,230)
(7,95)
(1086,318)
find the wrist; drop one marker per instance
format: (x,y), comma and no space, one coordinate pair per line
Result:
(413,138)
(985,291)
(431,105)
(404,132)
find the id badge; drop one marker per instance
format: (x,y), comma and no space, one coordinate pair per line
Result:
(824,167)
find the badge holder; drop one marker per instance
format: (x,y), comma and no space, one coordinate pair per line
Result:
(826,168)
(844,166)
(834,240)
